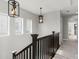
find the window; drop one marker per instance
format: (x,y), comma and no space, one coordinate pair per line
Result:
(28,26)
(19,25)
(4,25)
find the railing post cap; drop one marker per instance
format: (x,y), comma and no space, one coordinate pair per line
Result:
(53,31)
(34,35)
(13,52)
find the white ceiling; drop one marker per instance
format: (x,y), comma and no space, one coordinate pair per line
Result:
(70,11)
(48,5)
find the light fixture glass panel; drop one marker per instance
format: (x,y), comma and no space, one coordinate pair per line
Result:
(40,16)
(13,8)
(40,19)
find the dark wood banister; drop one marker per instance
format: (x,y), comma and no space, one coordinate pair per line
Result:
(34,39)
(24,49)
(41,38)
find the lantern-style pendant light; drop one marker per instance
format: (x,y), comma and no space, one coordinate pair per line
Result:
(13,8)
(40,16)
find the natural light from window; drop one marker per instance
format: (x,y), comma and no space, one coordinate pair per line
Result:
(19,25)
(4,25)
(28,26)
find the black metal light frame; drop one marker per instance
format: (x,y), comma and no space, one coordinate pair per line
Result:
(40,16)
(14,4)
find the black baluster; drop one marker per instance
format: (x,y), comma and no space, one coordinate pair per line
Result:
(21,56)
(58,40)
(38,49)
(41,49)
(29,52)
(24,54)
(53,33)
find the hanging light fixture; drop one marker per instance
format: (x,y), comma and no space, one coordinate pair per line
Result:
(40,16)
(13,8)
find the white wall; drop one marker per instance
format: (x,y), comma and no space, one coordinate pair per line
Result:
(11,43)
(61,29)
(65,27)
(51,23)
(16,42)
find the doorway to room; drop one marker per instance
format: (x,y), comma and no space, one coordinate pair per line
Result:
(73,27)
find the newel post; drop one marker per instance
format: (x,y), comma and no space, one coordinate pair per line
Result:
(53,36)
(34,39)
(13,54)
(53,32)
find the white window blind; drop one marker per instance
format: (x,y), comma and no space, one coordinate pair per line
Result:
(4,25)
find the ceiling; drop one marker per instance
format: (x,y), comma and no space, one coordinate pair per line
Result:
(70,11)
(47,5)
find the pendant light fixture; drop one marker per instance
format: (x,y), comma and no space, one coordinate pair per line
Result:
(40,16)
(13,8)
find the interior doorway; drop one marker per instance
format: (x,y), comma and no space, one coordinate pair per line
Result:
(73,27)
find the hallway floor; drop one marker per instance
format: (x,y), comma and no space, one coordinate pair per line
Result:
(68,50)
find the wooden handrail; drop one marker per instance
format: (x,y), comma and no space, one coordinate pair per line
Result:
(24,49)
(37,47)
(41,38)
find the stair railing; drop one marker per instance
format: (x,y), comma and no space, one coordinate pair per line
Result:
(40,48)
